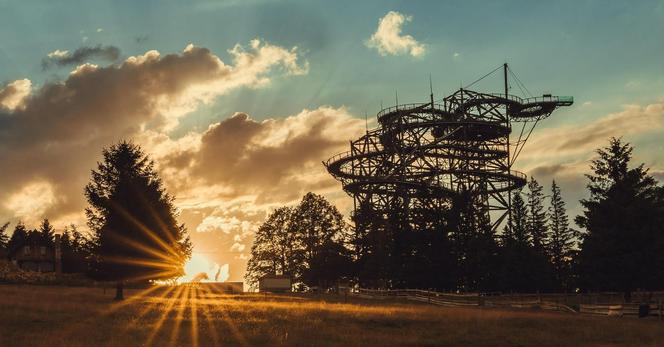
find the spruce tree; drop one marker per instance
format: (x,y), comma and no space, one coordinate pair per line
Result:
(516,230)
(136,233)
(473,244)
(624,224)
(561,241)
(524,268)
(46,232)
(536,225)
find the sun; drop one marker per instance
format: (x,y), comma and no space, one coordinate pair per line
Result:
(199,264)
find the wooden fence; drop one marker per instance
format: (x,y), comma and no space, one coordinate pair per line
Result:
(554,302)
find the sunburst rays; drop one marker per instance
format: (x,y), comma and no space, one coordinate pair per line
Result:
(173,315)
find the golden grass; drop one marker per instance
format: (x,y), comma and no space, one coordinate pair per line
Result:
(185,316)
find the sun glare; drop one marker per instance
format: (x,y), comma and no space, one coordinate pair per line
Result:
(201,269)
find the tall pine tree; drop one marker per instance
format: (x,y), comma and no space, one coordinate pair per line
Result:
(561,241)
(524,267)
(46,232)
(136,233)
(624,223)
(536,224)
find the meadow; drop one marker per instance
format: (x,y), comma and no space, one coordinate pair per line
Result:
(188,316)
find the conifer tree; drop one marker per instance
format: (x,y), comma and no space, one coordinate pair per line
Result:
(624,223)
(536,225)
(46,232)
(136,233)
(561,240)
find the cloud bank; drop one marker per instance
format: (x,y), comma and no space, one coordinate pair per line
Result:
(226,177)
(54,135)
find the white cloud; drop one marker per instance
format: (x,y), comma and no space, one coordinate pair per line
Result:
(389,40)
(13,95)
(58,54)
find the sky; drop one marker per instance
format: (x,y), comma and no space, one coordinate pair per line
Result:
(238,102)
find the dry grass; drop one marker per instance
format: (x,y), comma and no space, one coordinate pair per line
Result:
(59,316)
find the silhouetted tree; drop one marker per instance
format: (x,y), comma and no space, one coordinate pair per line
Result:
(275,248)
(318,225)
(18,239)
(46,232)
(330,263)
(473,244)
(622,249)
(426,257)
(536,221)
(4,238)
(372,246)
(524,267)
(306,242)
(561,241)
(75,251)
(136,233)
(516,229)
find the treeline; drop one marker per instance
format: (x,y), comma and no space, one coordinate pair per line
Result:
(619,247)
(75,246)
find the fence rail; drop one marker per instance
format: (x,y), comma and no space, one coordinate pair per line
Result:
(551,302)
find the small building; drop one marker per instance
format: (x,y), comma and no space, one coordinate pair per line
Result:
(275,284)
(37,256)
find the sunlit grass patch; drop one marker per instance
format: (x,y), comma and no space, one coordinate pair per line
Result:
(194,316)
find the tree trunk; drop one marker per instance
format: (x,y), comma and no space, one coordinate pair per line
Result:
(119,290)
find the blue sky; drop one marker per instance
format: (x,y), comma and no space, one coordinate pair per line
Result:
(589,49)
(319,69)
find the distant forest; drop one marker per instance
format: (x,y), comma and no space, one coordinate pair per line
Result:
(618,246)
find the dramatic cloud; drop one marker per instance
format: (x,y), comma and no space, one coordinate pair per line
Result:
(389,40)
(228,177)
(80,55)
(54,136)
(267,156)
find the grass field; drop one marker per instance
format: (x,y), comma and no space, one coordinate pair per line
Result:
(185,316)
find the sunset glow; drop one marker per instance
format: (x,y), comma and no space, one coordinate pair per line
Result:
(331,173)
(199,264)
